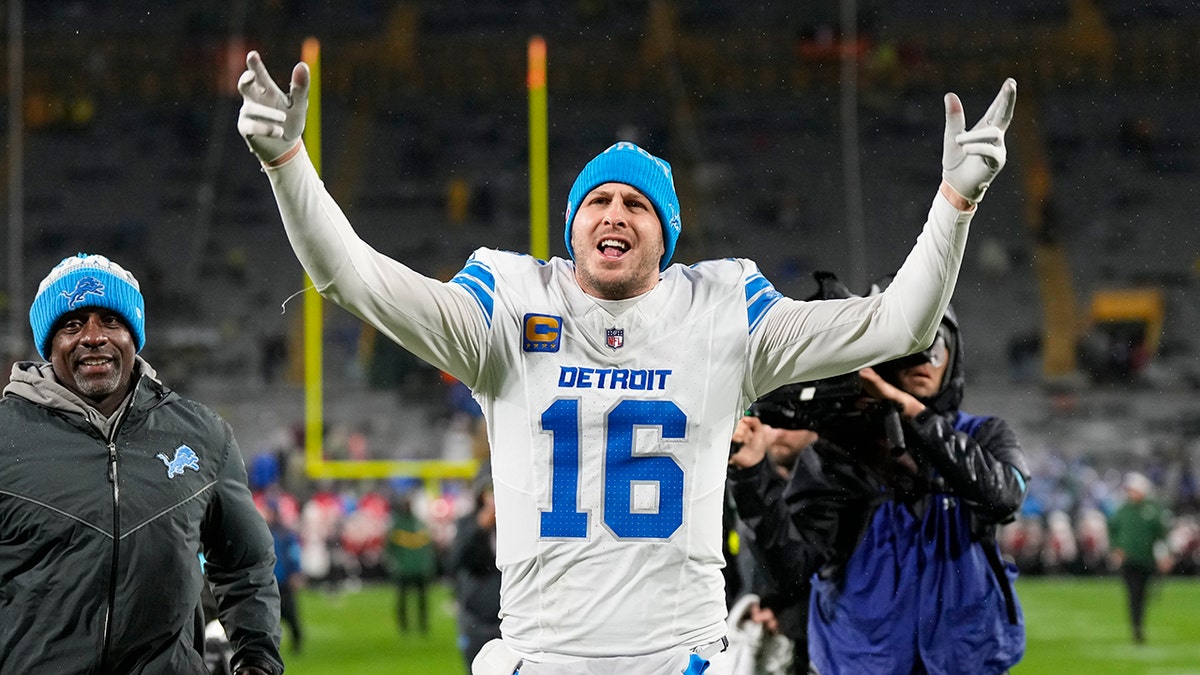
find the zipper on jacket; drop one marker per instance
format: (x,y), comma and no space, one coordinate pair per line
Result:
(116,549)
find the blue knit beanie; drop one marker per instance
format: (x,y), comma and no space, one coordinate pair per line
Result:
(626,163)
(85,280)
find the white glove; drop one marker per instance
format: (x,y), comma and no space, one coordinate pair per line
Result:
(495,658)
(270,120)
(971,159)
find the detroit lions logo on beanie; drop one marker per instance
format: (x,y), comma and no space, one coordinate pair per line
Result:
(625,162)
(85,280)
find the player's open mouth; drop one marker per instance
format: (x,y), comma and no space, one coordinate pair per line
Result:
(612,248)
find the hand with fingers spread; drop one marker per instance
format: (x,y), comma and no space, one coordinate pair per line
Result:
(270,120)
(972,159)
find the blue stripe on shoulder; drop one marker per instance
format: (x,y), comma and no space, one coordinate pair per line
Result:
(755,284)
(760,295)
(480,271)
(478,279)
(482,297)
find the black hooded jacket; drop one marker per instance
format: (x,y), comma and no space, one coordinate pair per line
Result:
(814,520)
(100,535)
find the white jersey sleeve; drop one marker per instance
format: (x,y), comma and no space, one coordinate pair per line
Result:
(798,341)
(442,323)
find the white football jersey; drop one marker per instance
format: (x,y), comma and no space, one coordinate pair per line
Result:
(610,421)
(609,425)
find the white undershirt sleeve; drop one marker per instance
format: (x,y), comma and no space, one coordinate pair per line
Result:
(799,341)
(438,322)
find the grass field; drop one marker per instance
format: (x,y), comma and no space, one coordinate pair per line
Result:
(357,633)
(1081,626)
(1075,627)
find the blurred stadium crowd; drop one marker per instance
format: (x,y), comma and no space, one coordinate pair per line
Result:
(1063,526)
(1062,529)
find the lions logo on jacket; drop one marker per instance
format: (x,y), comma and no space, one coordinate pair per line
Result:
(185,458)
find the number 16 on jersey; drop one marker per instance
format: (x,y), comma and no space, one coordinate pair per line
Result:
(623,472)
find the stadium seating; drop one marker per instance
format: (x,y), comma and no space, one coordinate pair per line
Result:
(132,151)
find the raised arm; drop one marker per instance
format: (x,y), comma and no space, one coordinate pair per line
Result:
(436,321)
(799,341)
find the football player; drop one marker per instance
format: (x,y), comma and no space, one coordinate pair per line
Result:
(612,380)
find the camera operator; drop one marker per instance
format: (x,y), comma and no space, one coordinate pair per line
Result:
(899,526)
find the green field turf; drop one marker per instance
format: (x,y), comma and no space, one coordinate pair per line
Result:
(1075,627)
(1080,626)
(357,633)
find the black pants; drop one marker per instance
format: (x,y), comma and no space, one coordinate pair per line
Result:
(289,615)
(1137,581)
(418,587)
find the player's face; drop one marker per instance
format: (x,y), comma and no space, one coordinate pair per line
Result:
(925,379)
(618,242)
(92,353)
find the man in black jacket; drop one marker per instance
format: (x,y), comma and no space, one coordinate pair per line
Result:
(112,488)
(900,527)
(472,562)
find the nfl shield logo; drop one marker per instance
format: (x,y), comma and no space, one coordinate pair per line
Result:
(614,337)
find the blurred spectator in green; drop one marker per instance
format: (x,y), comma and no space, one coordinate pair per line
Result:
(411,561)
(1138,532)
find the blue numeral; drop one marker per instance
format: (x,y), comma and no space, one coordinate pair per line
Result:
(564,519)
(623,470)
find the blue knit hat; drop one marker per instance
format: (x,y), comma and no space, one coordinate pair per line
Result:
(626,163)
(85,280)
